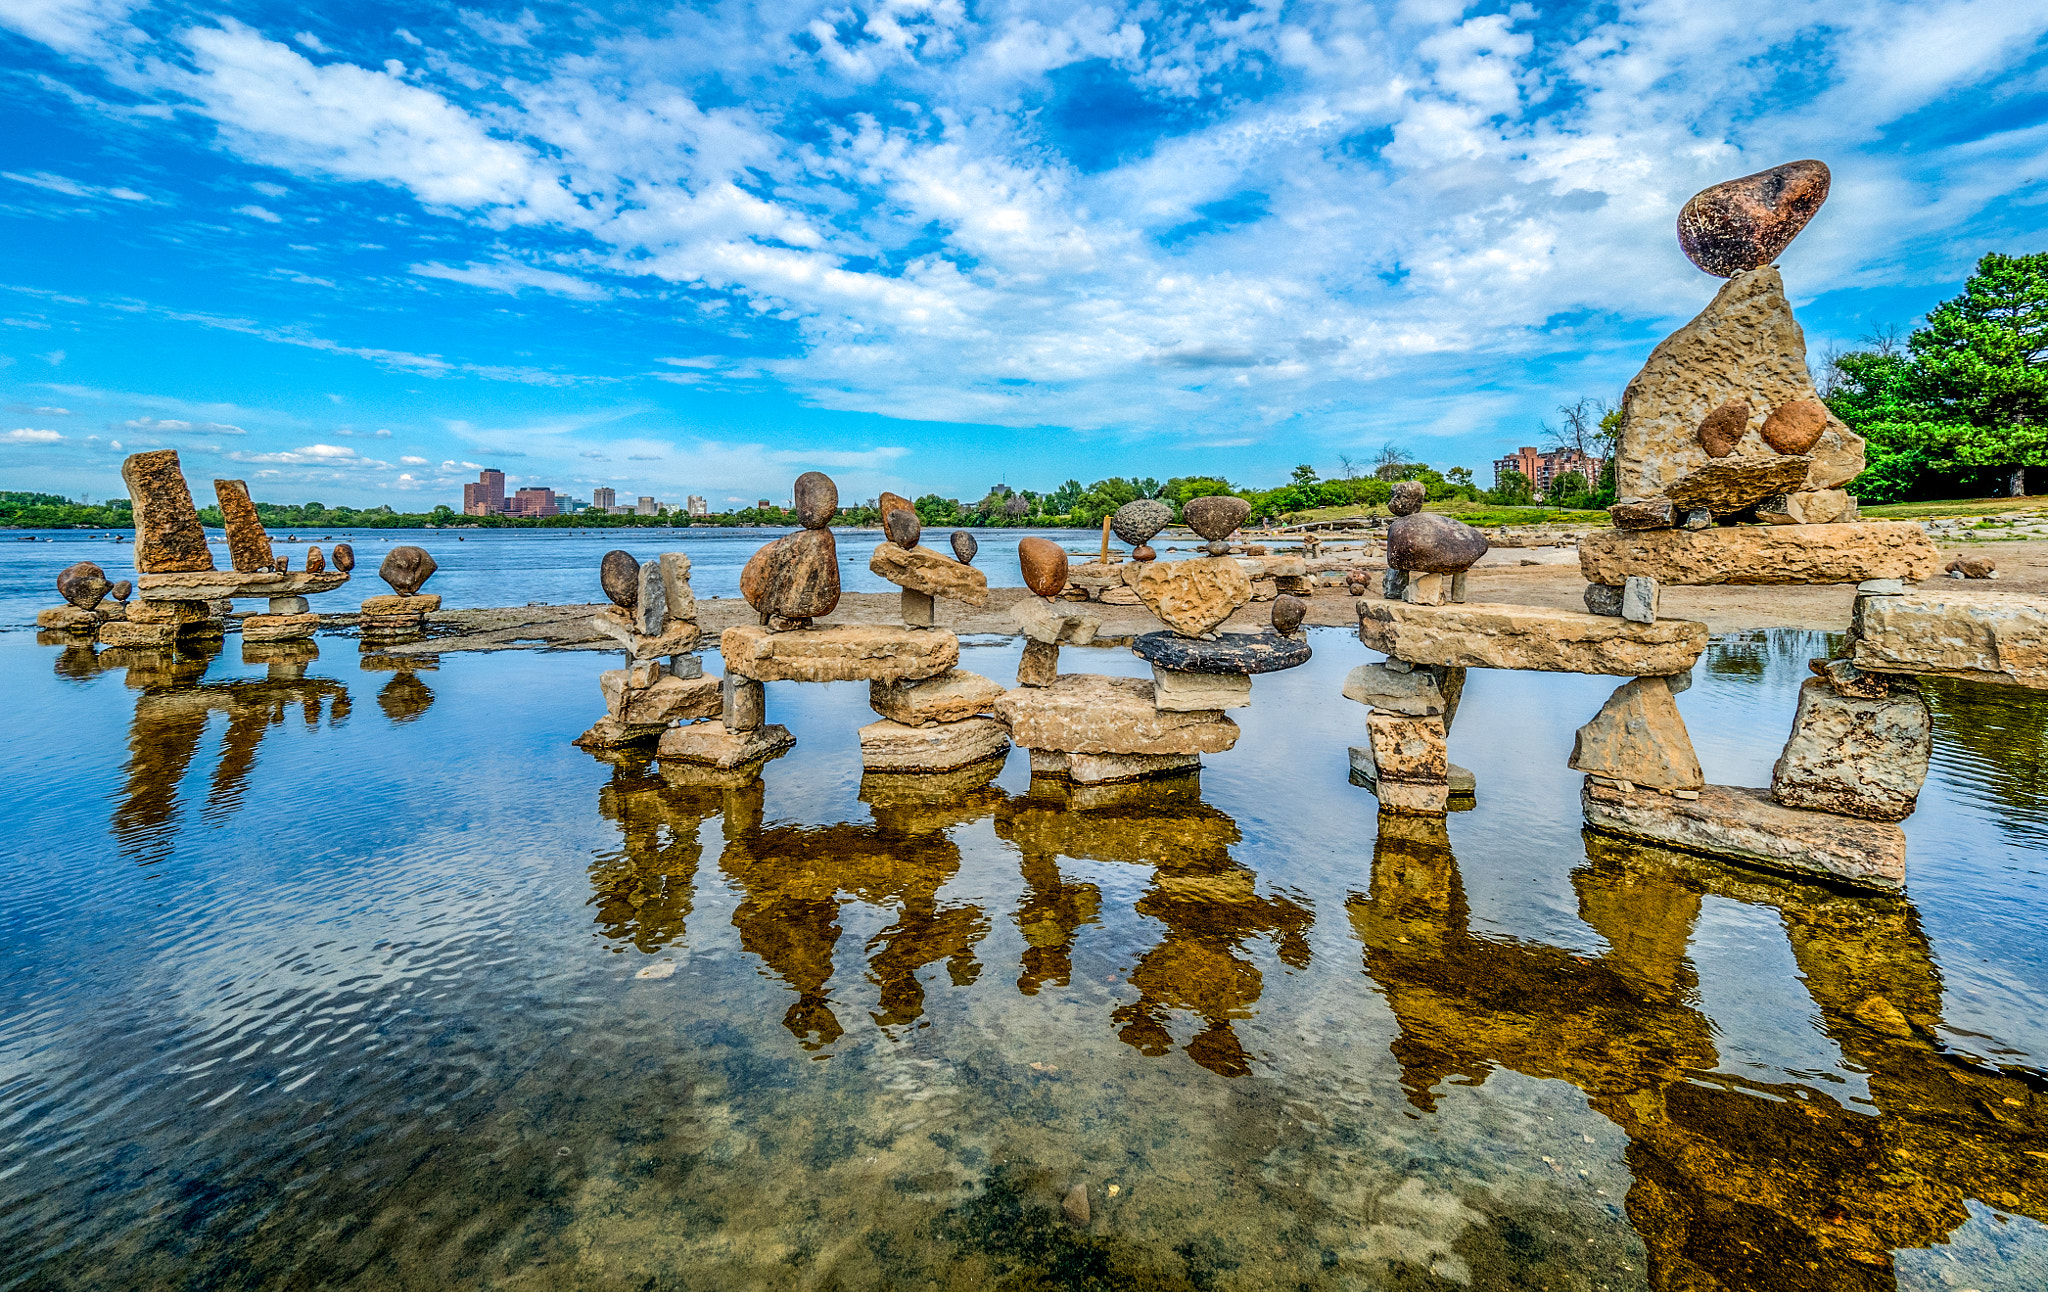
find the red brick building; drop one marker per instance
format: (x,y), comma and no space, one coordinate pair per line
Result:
(1542,468)
(534,501)
(486,497)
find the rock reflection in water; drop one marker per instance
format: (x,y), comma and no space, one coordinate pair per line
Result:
(1738,1183)
(406,696)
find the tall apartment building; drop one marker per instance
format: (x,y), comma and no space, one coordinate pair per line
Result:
(698,507)
(646,507)
(604,499)
(533,501)
(486,497)
(1542,468)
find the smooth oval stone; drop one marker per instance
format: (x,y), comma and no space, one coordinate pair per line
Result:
(889,502)
(619,575)
(1216,517)
(1044,563)
(344,557)
(122,590)
(1143,552)
(315,562)
(1433,544)
(1234,653)
(794,577)
(1408,498)
(1743,224)
(817,499)
(1723,428)
(83,585)
(902,527)
(964,546)
(1795,427)
(1137,521)
(406,568)
(1288,612)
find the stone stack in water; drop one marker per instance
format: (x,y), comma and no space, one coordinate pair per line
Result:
(401,616)
(1406,760)
(90,600)
(795,580)
(937,723)
(653,617)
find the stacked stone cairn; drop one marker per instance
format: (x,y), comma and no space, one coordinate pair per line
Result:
(938,723)
(652,616)
(402,615)
(1094,729)
(90,600)
(1730,471)
(180,591)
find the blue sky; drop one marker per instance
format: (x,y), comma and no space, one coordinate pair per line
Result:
(350,252)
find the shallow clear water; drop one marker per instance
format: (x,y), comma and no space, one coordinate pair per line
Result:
(369,979)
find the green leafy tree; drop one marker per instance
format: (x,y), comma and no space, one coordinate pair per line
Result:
(1304,475)
(1512,490)
(1568,489)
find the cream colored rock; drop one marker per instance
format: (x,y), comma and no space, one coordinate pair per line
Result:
(922,570)
(1638,737)
(1744,825)
(1108,769)
(1856,756)
(1041,621)
(1761,554)
(279,628)
(1983,636)
(1039,665)
(170,612)
(1096,576)
(887,746)
(69,619)
(1176,691)
(124,633)
(665,700)
(1744,345)
(1411,772)
(1193,597)
(1480,635)
(210,585)
(680,599)
(709,744)
(1121,597)
(682,636)
(423,604)
(1807,507)
(1414,693)
(844,653)
(950,697)
(1365,770)
(1087,713)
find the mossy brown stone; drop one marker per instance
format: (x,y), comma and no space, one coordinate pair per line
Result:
(83,585)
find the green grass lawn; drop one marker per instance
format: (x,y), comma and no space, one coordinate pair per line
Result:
(1953,507)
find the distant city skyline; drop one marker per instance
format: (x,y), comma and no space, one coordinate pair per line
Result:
(362,254)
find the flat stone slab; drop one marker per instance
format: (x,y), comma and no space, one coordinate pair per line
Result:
(709,744)
(1761,554)
(1087,713)
(68,619)
(922,570)
(887,746)
(279,628)
(1984,637)
(1239,653)
(1178,692)
(1109,769)
(843,653)
(1482,635)
(667,699)
(681,637)
(1461,786)
(212,585)
(1744,825)
(424,603)
(950,697)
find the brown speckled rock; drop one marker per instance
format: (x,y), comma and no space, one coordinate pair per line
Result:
(1722,429)
(1730,485)
(619,575)
(1044,565)
(1137,521)
(794,577)
(122,591)
(1288,612)
(315,562)
(1408,497)
(248,541)
(1215,517)
(344,557)
(1797,426)
(168,536)
(83,585)
(889,502)
(902,527)
(1433,544)
(406,568)
(1743,224)
(965,546)
(817,500)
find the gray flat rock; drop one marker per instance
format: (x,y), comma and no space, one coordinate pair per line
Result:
(1239,653)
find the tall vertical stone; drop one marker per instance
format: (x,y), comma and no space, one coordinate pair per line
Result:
(1856,755)
(1638,737)
(168,536)
(248,542)
(675,586)
(650,613)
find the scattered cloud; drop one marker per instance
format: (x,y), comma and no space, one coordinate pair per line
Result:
(255,212)
(511,278)
(411,461)
(27,435)
(72,188)
(178,426)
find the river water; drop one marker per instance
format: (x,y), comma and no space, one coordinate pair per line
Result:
(367,978)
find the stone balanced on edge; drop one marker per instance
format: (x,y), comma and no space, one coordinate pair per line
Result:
(653,616)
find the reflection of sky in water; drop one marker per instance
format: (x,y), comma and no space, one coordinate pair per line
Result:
(366,977)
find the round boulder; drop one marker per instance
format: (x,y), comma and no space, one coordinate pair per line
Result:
(1433,544)
(1721,430)
(344,557)
(902,527)
(817,500)
(1137,521)
(1044,564)
(794,578)
(1743,224)
(1288,612)
(1216,517)
(1795,427)
(83,585)
(1408,498)
(619,575)
(964,546)
(406,569)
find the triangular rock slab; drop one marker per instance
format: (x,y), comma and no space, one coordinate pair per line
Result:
(1639,737)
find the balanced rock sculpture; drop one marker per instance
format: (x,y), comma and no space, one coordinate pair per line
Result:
(407,568)
(248,542)
(1138,521)
(645,697)
(168,535)
(1742,224)
(83,585)
(1216,518)
(402,615)
(795,579)
(315,563)
(344,558)
(964,546)
(1408,497)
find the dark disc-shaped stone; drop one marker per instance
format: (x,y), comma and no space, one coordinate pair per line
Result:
(1137,521)
(1408,498)
(1237,653)
(83,585)
(1721,430)
(1433,544)
(121,591)
(1744,223)
(1044,564)
(619,575)
(817,500)
(1216,517)
(344,557)
(964,546)
(406,568)
(315,563)
(794,577)
(1795,427)
(902,527)
(1288,612)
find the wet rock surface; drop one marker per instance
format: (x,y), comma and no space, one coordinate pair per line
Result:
(1861,756)
(1741,224)
(1233,653)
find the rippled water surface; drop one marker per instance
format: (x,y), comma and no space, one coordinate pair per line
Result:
(323,974)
